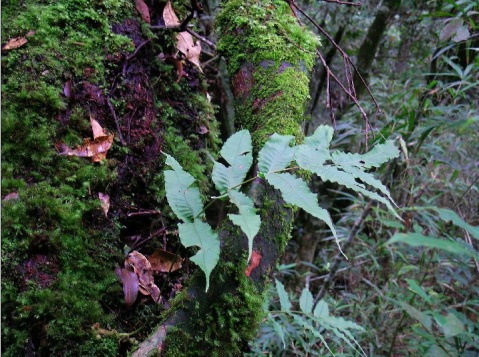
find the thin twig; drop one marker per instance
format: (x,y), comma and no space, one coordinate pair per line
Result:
(132,55)
(354,231)
(344,2)
(113,113)
(201,38)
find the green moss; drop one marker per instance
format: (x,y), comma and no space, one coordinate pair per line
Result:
(222,320)
(263,31)
(264,40)
(57,249)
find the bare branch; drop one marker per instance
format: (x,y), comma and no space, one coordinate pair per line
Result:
(344,2)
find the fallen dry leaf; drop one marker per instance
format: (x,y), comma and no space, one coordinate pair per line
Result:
(14,43)
(11,196)
(143,10)
(98,131)
(190,50)
(162,261)
(105,202)
(142,267)
(169,16)
(254,262)
(96,148)
(130,284)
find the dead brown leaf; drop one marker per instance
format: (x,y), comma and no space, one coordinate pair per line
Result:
(169,16)
(14,43)
(96,148)
(130,284)
(98,131)
(162,261)
(143,10)
(188,48)
(105,202)
(142,267)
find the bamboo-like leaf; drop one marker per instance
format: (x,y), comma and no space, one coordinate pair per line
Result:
(200,234)
(184,200)
(419,240)
(237,151)
(296,192)
(276,154)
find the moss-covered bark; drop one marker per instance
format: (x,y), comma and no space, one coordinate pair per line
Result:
(269,57)
(59,251)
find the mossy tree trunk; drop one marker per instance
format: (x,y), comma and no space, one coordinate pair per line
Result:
(99,60)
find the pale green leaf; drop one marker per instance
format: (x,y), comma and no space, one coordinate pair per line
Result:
(321,138)
(310,158)
(237,152)
(306,301)
(377,156)
(278,328)
(447,215)
(321,309)
(276,154)
(283,296)
(296,192)
(184,200)
(450,324)
(417,289)
(200,234)
(419,240)
(247,219)
(416,314)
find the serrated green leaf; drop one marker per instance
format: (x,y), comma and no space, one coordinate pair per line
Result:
(283,296)
(306,301)
(278,328)
(184,200)
(321,309)
(310,158)
(321,138)
(237,151)
(200,234)
(247,219)
(276,154)
(377,156)
(296,192)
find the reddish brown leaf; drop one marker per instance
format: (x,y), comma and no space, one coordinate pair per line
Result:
(14,43)
(162,261)
(143,10)
(169,16)
(254,262)
(96,149)
(142,267)
(130,284)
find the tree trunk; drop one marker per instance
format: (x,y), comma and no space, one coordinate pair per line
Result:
(97,61)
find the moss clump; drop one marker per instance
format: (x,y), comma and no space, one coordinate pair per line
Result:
(227,316)
(57,249)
